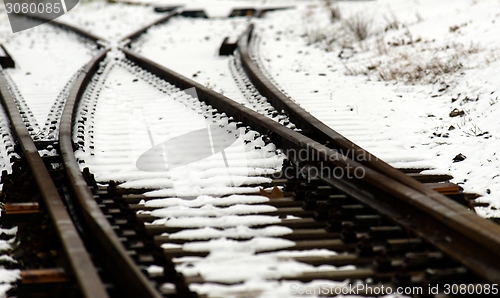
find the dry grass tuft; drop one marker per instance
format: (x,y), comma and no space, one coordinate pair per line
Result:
(354,70)
(413,72)
(381,46)
(359,25)
(392,21)
(317,35)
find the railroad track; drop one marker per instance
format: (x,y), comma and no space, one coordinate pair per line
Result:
(150,235)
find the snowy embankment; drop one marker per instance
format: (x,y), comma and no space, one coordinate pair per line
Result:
(418,79)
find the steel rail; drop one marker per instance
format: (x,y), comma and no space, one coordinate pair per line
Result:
(132,281)
(457,224)
(79,260)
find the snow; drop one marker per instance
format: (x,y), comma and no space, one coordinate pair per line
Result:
(256,244)
(204,199)
(263,288)
(391,93)
(4,245)
(154,270)
(373,92)
(217,267)
(210,210)
(302,253)
(239,232)
(224,221)
(10,231)
(7,276)
(217,190)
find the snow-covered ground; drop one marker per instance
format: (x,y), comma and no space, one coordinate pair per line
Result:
(419,61)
